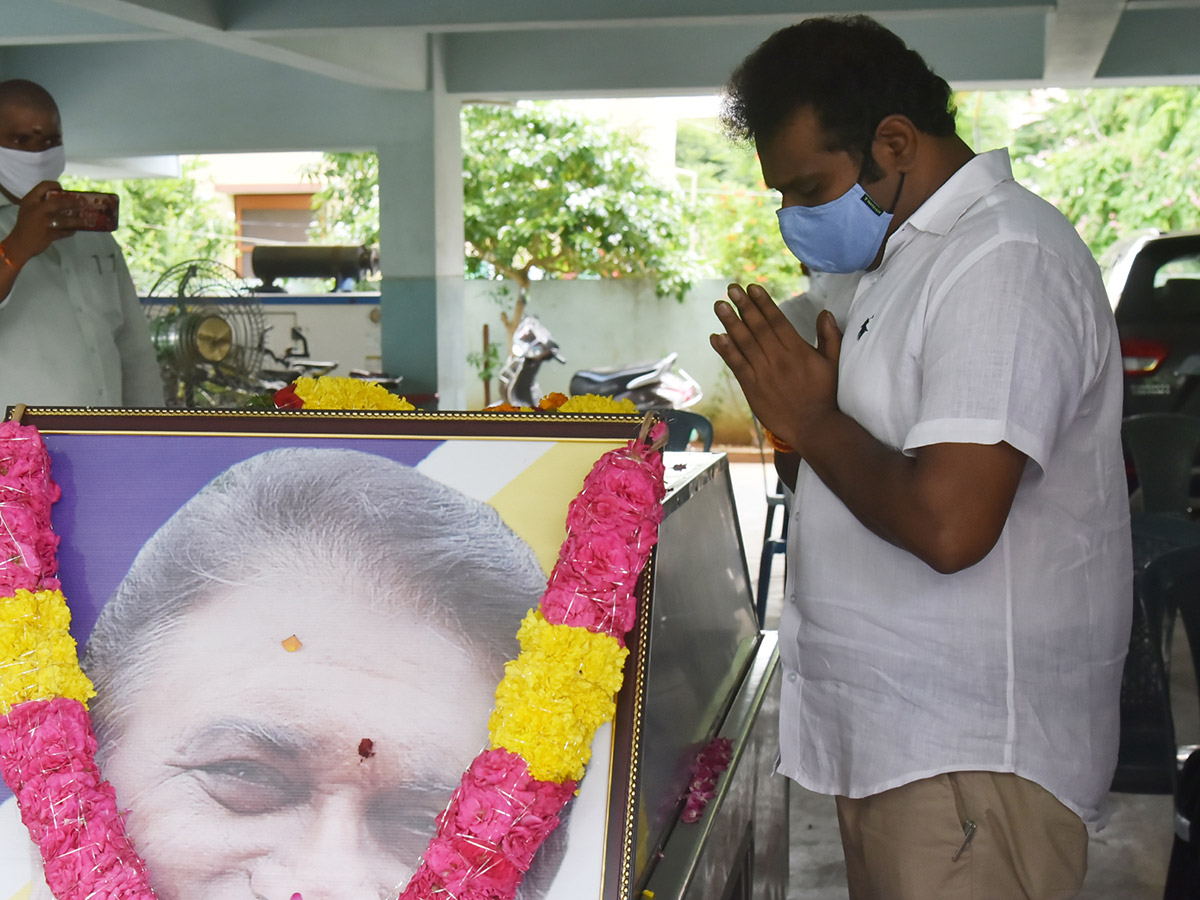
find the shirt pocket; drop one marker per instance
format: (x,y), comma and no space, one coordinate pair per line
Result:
(95,289)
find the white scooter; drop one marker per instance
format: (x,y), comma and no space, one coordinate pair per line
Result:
(657,385)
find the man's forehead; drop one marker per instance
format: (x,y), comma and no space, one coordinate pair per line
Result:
(29,117)
(798,147)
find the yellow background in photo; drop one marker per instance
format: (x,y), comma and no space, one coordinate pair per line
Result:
(534,503)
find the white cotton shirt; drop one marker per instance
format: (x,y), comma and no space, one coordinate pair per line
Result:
(986,321)
(72,330)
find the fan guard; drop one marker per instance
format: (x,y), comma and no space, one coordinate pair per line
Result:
(207,326)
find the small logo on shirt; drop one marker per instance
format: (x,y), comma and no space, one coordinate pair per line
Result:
(863,329)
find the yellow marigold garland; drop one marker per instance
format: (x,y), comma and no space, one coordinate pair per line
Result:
(555,695)
(333,392)
(594,403)
(39,658)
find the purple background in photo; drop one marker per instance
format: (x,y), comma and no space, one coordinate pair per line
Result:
(119,489)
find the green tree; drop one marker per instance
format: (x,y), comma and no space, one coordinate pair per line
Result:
(165,221)
(1116,161)
(348,204)
(551,194)
(736,231)
(985,118)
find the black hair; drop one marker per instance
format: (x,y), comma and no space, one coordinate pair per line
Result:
(850,70)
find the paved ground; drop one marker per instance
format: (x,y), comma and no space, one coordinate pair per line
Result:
(1127,860)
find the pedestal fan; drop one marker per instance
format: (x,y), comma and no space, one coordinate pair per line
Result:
(208,330)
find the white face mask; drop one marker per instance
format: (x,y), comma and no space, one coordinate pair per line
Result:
(22,170)
(818,285)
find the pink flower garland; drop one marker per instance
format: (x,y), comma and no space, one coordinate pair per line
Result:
(499,815)
(706,771)
(47,748)
(47,752)
(28,546)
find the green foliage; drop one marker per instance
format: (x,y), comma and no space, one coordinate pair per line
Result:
(348,205)
(985,118)
(165,221)
(1116,161)
(549,192)
(736,231)
(486,363)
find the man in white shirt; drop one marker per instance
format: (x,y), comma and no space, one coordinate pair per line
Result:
(72,331)
(959,596)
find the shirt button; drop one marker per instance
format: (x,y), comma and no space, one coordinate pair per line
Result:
(793,677)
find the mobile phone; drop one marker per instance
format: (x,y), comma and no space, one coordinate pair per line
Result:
(96,209)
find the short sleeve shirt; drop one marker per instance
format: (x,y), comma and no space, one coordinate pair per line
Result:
(986,321)
(72,330)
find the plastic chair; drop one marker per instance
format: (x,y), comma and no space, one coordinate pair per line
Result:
(681,425)
(776,503)
(1163,447)
(1166,560)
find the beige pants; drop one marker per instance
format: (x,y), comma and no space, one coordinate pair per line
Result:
(911,843)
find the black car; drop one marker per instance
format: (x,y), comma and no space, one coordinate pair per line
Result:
(1153,282)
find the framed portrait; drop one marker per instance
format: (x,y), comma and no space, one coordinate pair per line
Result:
(295,623)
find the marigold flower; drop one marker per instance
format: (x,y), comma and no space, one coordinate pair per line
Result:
(552,401)
(554,696)
(38,656)
(332,392)
(594,403)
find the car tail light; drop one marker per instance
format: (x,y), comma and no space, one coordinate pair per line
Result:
(1142,356)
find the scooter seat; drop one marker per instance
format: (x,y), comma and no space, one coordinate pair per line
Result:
(608,381)
(608,374)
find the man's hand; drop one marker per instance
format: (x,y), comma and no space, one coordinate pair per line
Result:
(946,503)
(789,385)
(43,217)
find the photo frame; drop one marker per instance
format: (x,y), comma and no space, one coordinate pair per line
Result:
(126,474)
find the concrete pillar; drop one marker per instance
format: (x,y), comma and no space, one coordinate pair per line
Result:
(421,246)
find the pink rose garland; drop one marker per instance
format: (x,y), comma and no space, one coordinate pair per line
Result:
(706,771)
(28,545)
(499,815)
(47,748)
(47,753)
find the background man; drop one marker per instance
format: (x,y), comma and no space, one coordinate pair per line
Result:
(72,331)
(959,591)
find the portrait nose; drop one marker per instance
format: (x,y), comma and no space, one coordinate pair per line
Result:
(332,857)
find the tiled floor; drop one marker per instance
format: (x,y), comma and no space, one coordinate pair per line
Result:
(1127,860)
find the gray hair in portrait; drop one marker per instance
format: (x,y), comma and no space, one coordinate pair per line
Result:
(421,542)
(401,543)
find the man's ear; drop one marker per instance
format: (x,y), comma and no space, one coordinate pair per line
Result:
(895,144)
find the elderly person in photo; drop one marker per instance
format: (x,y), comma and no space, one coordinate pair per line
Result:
(257,767)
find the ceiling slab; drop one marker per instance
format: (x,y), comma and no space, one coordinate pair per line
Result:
(181,60)
(1154,45)
(1079,34)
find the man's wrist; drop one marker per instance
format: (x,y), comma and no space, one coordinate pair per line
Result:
(7,260)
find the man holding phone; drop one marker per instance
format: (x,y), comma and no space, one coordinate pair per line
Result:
(72,331)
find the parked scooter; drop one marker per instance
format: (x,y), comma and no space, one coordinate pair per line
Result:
(295,362)
(657,385)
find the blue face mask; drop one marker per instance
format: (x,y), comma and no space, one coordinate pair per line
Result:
(841,236)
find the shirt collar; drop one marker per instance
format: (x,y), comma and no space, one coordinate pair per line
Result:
(978,177)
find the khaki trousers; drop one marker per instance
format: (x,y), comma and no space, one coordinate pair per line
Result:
(916,842)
